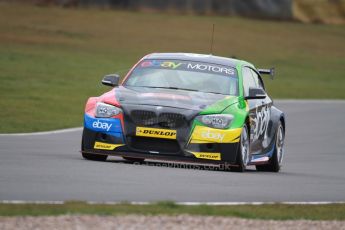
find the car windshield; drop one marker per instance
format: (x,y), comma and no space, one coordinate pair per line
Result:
(184,75)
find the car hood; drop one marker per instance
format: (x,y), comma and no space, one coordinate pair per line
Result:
(181,99)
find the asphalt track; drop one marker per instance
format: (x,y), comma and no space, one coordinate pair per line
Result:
(49,167)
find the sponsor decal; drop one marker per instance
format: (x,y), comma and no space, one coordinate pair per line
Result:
(261,121)
(219,137)
(202,134)
(208,156)
(109,125)
(106,146)
(101,125)
(156,133)
(164,64)
(191,66)
(211,68)
(172,65)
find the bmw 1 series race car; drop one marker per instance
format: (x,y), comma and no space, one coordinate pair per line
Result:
(187,107)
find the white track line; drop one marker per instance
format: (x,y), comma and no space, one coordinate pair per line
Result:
(179,203)
(260,203)
(30,202)
(43,133)
(281,101)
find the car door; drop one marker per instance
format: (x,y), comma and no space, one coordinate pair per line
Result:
(258,110)
(263,117)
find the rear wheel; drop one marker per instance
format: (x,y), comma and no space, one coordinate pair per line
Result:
(276,160)
(243,152)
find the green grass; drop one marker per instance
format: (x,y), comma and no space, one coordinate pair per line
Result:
(268,211)
(52,59)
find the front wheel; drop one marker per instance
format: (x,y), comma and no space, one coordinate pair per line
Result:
(276,160)
(243,152)
(90,156)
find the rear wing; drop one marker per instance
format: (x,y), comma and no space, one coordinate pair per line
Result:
(270,71)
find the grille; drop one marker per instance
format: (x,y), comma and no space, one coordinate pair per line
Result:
(164,120)
(171,120)
(142,117)
(153,144)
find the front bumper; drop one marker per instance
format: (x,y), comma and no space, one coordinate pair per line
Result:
(205,145)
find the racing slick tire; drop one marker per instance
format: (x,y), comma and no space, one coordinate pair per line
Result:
(242,158)
(94,157)
(90,156)
(276,160)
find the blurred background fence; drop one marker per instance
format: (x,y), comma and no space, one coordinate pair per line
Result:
(314,11)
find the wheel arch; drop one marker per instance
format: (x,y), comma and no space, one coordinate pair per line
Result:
(247,122)
(282,120)
(276,117)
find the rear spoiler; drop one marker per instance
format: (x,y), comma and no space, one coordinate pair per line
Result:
(270,71)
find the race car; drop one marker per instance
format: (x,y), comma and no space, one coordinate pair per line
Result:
(187,107)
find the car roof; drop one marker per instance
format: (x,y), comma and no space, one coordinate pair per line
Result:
(209,58)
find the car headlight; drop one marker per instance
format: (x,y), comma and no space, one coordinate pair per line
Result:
(218,121)
(106,110)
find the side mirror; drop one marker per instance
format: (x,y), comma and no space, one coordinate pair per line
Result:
(256,93)
(111,80)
